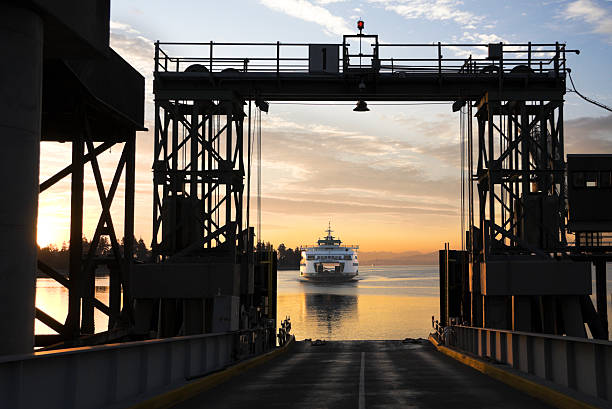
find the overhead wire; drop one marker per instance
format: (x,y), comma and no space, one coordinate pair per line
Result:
(592,101)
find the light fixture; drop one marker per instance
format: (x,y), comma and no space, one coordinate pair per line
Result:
(361,106)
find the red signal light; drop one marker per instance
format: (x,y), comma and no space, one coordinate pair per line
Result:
(360,25)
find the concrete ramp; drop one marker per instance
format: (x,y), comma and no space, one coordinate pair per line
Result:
(362,374)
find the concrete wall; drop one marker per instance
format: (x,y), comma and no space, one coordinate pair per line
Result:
(188,280)
(110,375)
(21,47)
(576,363)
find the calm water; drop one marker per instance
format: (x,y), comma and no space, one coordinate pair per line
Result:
(52,298)
(388,302)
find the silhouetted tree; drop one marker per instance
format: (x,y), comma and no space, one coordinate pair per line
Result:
(104,247)
(59,259)
(287,257)
(142,253)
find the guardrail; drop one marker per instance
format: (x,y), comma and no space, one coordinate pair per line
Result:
(393,58)
(581,364)
(118,374)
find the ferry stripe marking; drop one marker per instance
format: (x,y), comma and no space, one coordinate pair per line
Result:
(362,382)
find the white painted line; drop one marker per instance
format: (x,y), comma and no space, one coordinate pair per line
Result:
(362,382)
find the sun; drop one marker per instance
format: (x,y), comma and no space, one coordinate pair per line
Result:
(53,227)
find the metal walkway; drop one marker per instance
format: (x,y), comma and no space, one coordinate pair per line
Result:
(393,375)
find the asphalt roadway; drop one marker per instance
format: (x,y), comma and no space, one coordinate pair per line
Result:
(362,374)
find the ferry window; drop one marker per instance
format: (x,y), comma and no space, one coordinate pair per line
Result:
(579,179)
(310,257)
(605,179)
(591,179)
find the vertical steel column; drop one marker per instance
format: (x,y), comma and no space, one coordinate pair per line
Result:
(156,176)
(174,176)
(208,167)
(128,226)
(240,188)
(248,205)
(75,268)
(227,170)
(601,291)
(21,41)
(490,179)
(193,135)
(511,165)
(525,139)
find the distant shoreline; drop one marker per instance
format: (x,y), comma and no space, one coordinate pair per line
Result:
(285,268)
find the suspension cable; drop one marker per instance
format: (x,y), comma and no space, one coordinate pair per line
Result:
(259,176)
(248,206)
(217,149)
(462,195)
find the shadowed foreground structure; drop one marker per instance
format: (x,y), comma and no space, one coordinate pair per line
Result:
(394,375)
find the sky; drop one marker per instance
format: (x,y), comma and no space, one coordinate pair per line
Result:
(389,179)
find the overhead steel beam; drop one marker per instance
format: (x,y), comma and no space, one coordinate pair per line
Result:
(382,87)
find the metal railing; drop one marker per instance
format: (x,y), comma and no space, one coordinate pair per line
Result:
(584,365)
(120,374)
(592,240)
(316,246)
(394,58)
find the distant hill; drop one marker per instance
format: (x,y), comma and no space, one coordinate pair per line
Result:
(402,258)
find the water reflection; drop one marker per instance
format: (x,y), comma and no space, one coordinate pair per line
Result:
(330,311)
(52,298)
(391,302)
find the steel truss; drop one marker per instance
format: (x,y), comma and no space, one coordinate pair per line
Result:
(82,265)
(520,178)
(198,179)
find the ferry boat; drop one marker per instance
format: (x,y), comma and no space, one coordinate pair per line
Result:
(329,260)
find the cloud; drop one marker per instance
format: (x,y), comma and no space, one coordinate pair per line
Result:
(138,51)
(307,11)
(317,207)
(378,173)
(599,18)
(589,135)
(433,10)
(133,46)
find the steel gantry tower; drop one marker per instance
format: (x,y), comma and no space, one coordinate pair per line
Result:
(198,177)
(518,270)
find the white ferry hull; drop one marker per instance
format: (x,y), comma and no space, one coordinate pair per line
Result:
(329,277)
(329,261)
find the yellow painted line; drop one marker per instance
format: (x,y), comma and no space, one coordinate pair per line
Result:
(534,389)
(175,396)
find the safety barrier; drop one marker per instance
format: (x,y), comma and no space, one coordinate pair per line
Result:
(584,365)
(438,58)
(107,375)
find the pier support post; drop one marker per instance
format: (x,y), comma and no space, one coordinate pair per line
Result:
(21,44)
(601,291)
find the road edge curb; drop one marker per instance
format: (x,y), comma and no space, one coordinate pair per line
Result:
(189,390)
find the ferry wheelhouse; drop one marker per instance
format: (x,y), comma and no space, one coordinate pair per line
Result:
(329,260)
